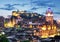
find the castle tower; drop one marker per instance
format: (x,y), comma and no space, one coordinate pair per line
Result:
(49,16)
(15,13)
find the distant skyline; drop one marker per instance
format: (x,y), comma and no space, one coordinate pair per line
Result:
(39,6)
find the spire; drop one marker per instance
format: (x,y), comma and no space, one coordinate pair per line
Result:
(49,11)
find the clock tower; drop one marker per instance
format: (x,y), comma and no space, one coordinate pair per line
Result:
(49,16)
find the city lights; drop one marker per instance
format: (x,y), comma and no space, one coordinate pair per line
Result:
(29,20)
(32,24)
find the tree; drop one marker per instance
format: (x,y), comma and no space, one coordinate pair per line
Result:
(3,38)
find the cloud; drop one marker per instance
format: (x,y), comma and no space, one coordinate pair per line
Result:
(34,8)
(23,4)
(43,3)
(11,6)
(8,8)
(39,1)
(56,12)
(16,4)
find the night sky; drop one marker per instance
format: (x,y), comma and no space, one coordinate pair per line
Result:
(39,6)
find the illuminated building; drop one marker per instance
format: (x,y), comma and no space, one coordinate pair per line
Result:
(10,23)
(58,28)
(30,25)
(14,13)
(49,16)
(17,13)
(15,18)
(49,28)
(58,32)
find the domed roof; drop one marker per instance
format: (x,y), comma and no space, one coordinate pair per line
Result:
(49,11)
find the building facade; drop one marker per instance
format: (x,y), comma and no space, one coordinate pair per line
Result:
(49,16)
(1,21)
